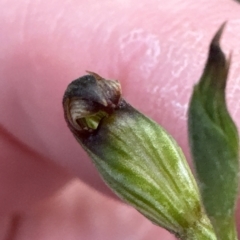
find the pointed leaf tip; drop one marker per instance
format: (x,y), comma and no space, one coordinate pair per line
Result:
(214,141)
(218,35)
(213,80)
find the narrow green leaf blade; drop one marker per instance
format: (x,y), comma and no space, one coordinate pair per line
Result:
(214,142)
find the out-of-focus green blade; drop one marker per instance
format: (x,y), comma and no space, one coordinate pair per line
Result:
(214,142)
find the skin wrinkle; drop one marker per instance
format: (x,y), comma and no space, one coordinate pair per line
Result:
(4,226)
(18,144)
(39,161)
(14,227)
(69,209)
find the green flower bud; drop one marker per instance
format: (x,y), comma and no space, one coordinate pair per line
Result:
(138,159)
(214,143)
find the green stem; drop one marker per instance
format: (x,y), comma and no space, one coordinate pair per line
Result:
(202,230)
(225,228)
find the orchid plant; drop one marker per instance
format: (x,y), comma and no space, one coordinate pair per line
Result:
(145,166)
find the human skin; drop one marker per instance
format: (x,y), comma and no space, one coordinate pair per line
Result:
(156,49)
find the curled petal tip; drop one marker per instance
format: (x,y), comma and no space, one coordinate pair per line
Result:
(89,99)
(97,77)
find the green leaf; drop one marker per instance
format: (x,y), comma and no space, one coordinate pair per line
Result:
(138,159)
(214,142)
